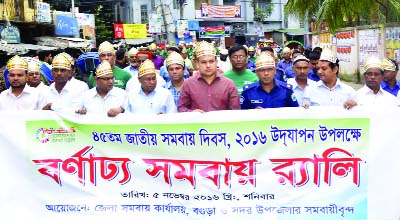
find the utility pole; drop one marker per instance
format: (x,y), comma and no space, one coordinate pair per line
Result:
(73,8)
(181,3)
(165,34)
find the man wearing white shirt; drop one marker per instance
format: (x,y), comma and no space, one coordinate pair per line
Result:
(133,84)
(300,82)
(150,98)
(104,98)
(78,84)
(34,78)
(329,91)
(62,92)
(20,96)
(371,94)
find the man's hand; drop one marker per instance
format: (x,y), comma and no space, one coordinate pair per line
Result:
(115,111)
(47,107)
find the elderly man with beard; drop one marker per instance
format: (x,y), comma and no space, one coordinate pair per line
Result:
(20,96)
(150,98)
(133,67)
(104,98)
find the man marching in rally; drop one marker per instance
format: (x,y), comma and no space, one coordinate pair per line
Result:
(207,91)
(104,98)
(107,52)
(20,96)
(267,92)
(149,98)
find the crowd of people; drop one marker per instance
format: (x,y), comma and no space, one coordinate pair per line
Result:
(199,78)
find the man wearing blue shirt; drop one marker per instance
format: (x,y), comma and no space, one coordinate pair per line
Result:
(389,82)
(267,92)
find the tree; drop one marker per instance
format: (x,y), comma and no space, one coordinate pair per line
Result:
(261,13)
(342,13)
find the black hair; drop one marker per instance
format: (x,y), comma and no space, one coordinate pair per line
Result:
(236,48)
(173,49)
(395,64)
(43,54)
(313,55)
(120,54)
(267,49)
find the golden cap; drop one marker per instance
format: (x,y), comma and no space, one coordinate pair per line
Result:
(300,58)
(251,48)
(152,46)
(16,62)
(372,62)
(327,55)
(175,58)
(106,47)
(69,57)
(104,68)
(146,67)
(132,52)
(33,66)
(62,62)
(286,50)
(265,60)
(204,48)
(388,65)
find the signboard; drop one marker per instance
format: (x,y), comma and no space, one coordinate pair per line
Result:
(392,38)
(286,163)
(369,45)
(155,24)
(10,34)
(182,28)
(220,11)
(43,13)
(214,32)
(346,51)
(66,26)
(193,25)
(130,31)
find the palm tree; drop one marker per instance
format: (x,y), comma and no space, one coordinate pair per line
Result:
(341,13)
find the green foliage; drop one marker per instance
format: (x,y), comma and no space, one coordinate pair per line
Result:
(261,13)
(342,13)
(104,27)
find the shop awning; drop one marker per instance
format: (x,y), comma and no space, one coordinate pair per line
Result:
(18,49)
(63,42)
(293,32)
(138,41)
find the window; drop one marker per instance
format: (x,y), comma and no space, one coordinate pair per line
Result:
(143,14)
(31,4)
(175,4)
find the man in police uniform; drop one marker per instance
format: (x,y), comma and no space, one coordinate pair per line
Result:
(267,92)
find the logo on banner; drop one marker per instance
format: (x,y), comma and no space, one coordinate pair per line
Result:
(60,135)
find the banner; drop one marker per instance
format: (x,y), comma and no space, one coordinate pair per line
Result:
(214,32)
(287,163)
(182,28)
(392,38)
(220,11)
(43,13)
(130,31)
(66,26)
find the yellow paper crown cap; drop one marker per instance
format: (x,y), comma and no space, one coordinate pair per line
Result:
(104,68)
(372,62)
(286,50)
(265,60)
(327,55)
(251,48)
(60,61)
(33,66)
(106,47)
(132,52)
(388,64)
(175,58)
(146,67)
(153,46)
(16,62)
(204,48)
